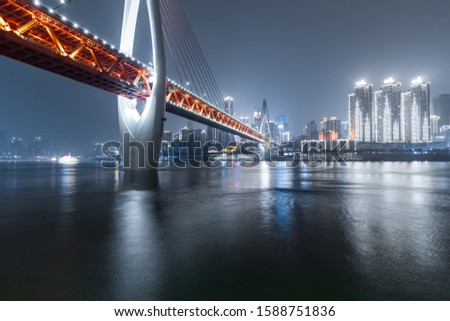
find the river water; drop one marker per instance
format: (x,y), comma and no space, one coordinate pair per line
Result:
(368,231)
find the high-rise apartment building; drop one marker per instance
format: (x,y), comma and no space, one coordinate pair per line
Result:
(330,129)
(167,136)
(387,112)
(360,108)
(273,127)
(311,130)
(416,109)
(257,117)
(390,115)
(184,134)
(229,105)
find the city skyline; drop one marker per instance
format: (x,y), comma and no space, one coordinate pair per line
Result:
(302,66)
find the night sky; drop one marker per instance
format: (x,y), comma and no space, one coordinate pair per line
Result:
(303,56)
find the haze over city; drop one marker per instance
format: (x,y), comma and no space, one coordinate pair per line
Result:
(303,56)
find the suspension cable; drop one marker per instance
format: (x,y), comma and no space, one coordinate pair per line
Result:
(185,51)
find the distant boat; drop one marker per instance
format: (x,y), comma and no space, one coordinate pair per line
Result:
(68,160)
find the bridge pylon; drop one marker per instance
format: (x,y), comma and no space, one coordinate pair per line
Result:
(265,125)
(142,122)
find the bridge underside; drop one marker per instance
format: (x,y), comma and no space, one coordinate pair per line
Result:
(34,54)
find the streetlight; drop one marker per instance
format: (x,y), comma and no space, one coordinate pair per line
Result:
(62,4)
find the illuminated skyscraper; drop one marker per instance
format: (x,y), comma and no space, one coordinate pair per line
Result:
(378,115)
(330,129)
(387,112)
(184,134)
(435,125)
(407,99)
(229,108)
(166,143)
(244,120)
(421,91)
(257,117)
(360,108)
(417,112)
(167,136)
(311,130)
(283,127)
(273,127)
(197,135)
(344,130)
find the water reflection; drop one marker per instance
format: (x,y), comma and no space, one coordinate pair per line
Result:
(366,231)
(393,222)
(141,180)
(68,187)
(135,250)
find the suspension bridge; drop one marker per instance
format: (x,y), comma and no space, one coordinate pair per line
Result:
(39,36)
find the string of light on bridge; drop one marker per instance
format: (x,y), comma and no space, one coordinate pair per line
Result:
(75,25)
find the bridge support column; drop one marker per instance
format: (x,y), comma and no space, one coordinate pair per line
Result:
(142,132)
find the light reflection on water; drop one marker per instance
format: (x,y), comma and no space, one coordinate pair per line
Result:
(366,231)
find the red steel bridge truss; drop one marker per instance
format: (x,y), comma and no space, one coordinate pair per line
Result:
(36,35)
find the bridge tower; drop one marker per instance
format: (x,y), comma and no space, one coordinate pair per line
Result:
(265,127)
(141,122)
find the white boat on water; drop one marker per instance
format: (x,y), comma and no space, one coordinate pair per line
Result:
(68,160)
